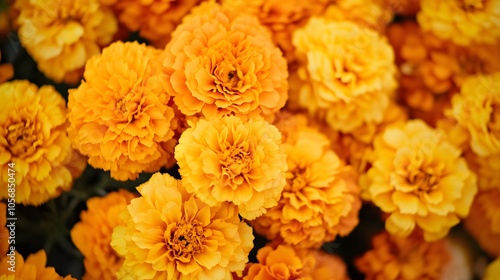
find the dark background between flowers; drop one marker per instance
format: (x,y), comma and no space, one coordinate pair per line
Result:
(48,226)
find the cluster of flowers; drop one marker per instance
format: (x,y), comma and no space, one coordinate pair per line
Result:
(282,118)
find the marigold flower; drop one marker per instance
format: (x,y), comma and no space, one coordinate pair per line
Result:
(220,62)
(373,13)
(282,18)
(420,180)
(120,117)
(229,159)
(61,35)
(486,168)
(432,69)
(320,199)
(4,233)
(347,73)
(92,235)
(483,222)
(403,7)
(287,263)
(34,267)
(493,270)
(477,109)
(395,257)
(170,234)
(33,137)
(464,22)
(154,20)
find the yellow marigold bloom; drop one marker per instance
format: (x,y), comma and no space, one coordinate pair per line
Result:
(282,18)
(61,35)
(483,221)
(493,270)
(372,13)
(477,108)
(92,235)
(154,20)
(34,267)
(170,234)
(221,62)
(395,257)
(287,263)
(420,180)
(347,73)
(120,117)
(4,232)
(229,159)
(320,199)
(432,69)
(464,21)
(33,137)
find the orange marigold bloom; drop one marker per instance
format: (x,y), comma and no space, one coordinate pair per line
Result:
(154,19)
(92,235)
(493,270)
(61,35)
(464,22)
(120,117)
(403,7)
(346,75)
(170,234)
(282,18)
(320,199)
(33,137)
(372,13)
(287,263)
(34,267)
(477,109)
(432,69)
(229,159)
(220,62)
(420,180)
(395,257)
(483,222)
(4,232)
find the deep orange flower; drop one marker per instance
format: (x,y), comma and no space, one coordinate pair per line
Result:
(92,235)
(346,74)
(432,69)
(464,21)
(33,137)
(282,18)
(403,258)
(4,232)
(229,159)
(220,62)
(321,197)
(287,263)
(154,19)
(420,180)
(403,7)
(120,117)
(170,234)
(34,267)
(61,35)
(483,221)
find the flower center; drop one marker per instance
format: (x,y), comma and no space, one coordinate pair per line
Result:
(22,138)
(187,240)
(494,123)
(228,77)
(424,181)
(296,180)
(236,162)
(129,107)
(471,5)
